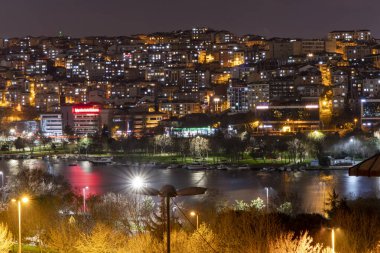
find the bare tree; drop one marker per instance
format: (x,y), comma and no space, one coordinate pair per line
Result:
(163,141)
(199,147)
(296,150)
(128,213)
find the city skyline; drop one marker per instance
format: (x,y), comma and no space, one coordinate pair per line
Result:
(270,18)
(190,126)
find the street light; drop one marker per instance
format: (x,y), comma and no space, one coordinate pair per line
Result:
(333,229)
(267,192)
(167,192)
(84,198)
(354,148)
(2,179)
(23,199)
(137,182)
(332,240)
(193,213)
(2,185)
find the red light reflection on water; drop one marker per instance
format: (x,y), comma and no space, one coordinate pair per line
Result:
(80,178)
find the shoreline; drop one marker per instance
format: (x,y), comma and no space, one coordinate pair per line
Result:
(162,161)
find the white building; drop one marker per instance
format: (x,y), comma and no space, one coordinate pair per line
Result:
(51,124)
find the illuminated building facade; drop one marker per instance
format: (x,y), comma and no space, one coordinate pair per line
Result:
(47,102)
(282,88)
(258,93)
(288,118)
(51,124)
(304,47)
(136,124)
(238,98)
(357,53)
(371,85)
(84,119)
(350,35)
(370,113)
(189,132)
(231,58)
(179,108)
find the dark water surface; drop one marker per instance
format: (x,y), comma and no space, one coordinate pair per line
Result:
(309,188)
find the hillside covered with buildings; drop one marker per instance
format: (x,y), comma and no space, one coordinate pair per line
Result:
(149,83)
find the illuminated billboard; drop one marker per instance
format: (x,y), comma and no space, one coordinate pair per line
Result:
(86,109)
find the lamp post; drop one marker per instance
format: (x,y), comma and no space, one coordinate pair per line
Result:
(353,144)
(167,192)
(332,240)
(2,185)
(84,198)
(2,179)
(333,229)
(267,192)
(19,201)
(193,213)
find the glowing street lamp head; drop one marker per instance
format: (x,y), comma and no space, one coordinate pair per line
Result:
(193,213)
(24,199)
(137,182)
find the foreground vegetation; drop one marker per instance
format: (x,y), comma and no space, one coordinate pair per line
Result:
(54,221)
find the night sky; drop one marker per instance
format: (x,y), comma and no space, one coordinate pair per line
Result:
(283,18)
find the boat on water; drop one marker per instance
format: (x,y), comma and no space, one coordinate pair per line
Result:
(101,160)
(244,167)
(238,167)
(197,166)
(23,156)
(173,166)
(222,167)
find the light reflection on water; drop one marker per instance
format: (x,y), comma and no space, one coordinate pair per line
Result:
(310,189)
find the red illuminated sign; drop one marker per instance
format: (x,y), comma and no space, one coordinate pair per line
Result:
(86,110)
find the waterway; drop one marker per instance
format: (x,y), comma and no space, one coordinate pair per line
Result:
(307,189)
